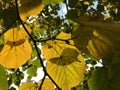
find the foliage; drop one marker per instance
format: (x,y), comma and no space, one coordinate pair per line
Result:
(34,32)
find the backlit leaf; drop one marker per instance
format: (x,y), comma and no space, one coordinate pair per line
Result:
(17,50)
(16,34)
(3,79)
(65,36)
(47,85)
(15,55)
(65,65)
(32,7)
(54,48)
(98,39)
(68,69)
(28,86)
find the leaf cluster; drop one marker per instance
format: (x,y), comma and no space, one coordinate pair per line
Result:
(68,48)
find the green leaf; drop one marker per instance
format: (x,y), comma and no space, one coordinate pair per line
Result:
(36,63)
(51,1)
(32,71)
(99,80)
(9,16)
(3,79)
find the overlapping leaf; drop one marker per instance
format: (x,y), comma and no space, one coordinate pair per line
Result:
(54,49)
(16,33)
(17,50)
(15,55)
(99,39)
(28,8)
(65,65)
(67,70)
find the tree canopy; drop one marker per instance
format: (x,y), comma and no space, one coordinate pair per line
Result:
(68,39)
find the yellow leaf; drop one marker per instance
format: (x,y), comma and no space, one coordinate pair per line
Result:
(31,7)
(64,36)
(15,54)
(15,34)
(65,65)
(54,48)
(28,86)
(68,69)
(47,85)
(101,40)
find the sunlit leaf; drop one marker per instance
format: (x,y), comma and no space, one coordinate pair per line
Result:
(15,55)
(32,7)
(98,39)
(64,36)
(51,1)
(54,48)
(28,86)
(17,50)
(3,79)
(47,84)
(65,65)
(15,34)
(68,69)
(99,80)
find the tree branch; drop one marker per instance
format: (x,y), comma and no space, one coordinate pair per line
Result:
(35,44)
(40,88)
